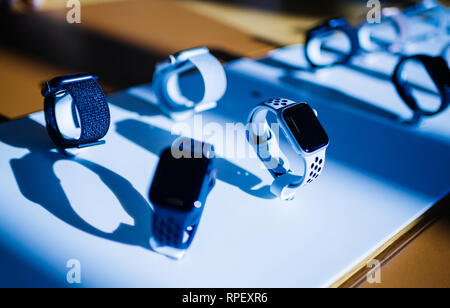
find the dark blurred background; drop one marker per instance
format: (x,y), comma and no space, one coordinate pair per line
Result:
(316,7)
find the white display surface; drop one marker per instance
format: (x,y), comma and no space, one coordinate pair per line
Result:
(379,177)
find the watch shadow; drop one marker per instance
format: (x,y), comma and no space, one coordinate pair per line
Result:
(38,183)
(288,67)
(155,140)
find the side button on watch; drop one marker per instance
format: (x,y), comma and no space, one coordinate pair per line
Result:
(76,111)
(178,193)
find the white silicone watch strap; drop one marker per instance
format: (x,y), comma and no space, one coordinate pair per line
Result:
(167,88)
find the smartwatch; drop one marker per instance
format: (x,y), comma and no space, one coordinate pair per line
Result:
(76,111)
(439,74)
(178,193)
(167,88)
(5,5)
(314,42)
(299,123)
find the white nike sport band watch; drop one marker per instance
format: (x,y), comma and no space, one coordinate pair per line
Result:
(299,122)
(167,88)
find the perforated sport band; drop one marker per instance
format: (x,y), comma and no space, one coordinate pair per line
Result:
(167,88)
(438,70)
(90,102)
(265,143)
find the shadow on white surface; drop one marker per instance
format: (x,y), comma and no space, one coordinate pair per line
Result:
(155,140)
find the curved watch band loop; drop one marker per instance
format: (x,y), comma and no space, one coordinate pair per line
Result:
(174,229)
(94,116)
(438,12)
(264,140)
(400,23)
(438,70)
(167,88)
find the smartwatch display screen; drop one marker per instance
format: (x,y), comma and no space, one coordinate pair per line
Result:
(178,182)
(305,127)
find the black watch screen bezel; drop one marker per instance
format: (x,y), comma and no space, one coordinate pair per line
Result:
(305,127)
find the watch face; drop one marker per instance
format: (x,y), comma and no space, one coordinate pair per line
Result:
(305,127)
(178,182)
